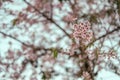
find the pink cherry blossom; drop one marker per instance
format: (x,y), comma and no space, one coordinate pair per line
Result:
(82,32)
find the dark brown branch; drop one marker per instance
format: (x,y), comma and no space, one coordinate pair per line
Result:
(51,20)
(30,46)
(117,29)
(15,39)
(114,30)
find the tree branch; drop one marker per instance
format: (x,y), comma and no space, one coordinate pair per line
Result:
(51,20)
(114,30)
(15,39)
(31,46)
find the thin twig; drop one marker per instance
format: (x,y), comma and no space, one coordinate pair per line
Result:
(15,39)
(114,30)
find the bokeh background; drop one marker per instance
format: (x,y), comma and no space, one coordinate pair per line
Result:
(30,29)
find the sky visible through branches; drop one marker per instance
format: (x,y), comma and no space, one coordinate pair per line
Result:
(59,39)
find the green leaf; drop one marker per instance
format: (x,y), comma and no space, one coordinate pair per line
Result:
(43,77)
(93,18)
(55,52)
(14,22)
(96,52)
(73,40)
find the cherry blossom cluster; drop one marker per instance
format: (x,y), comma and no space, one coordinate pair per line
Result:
(82,32)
